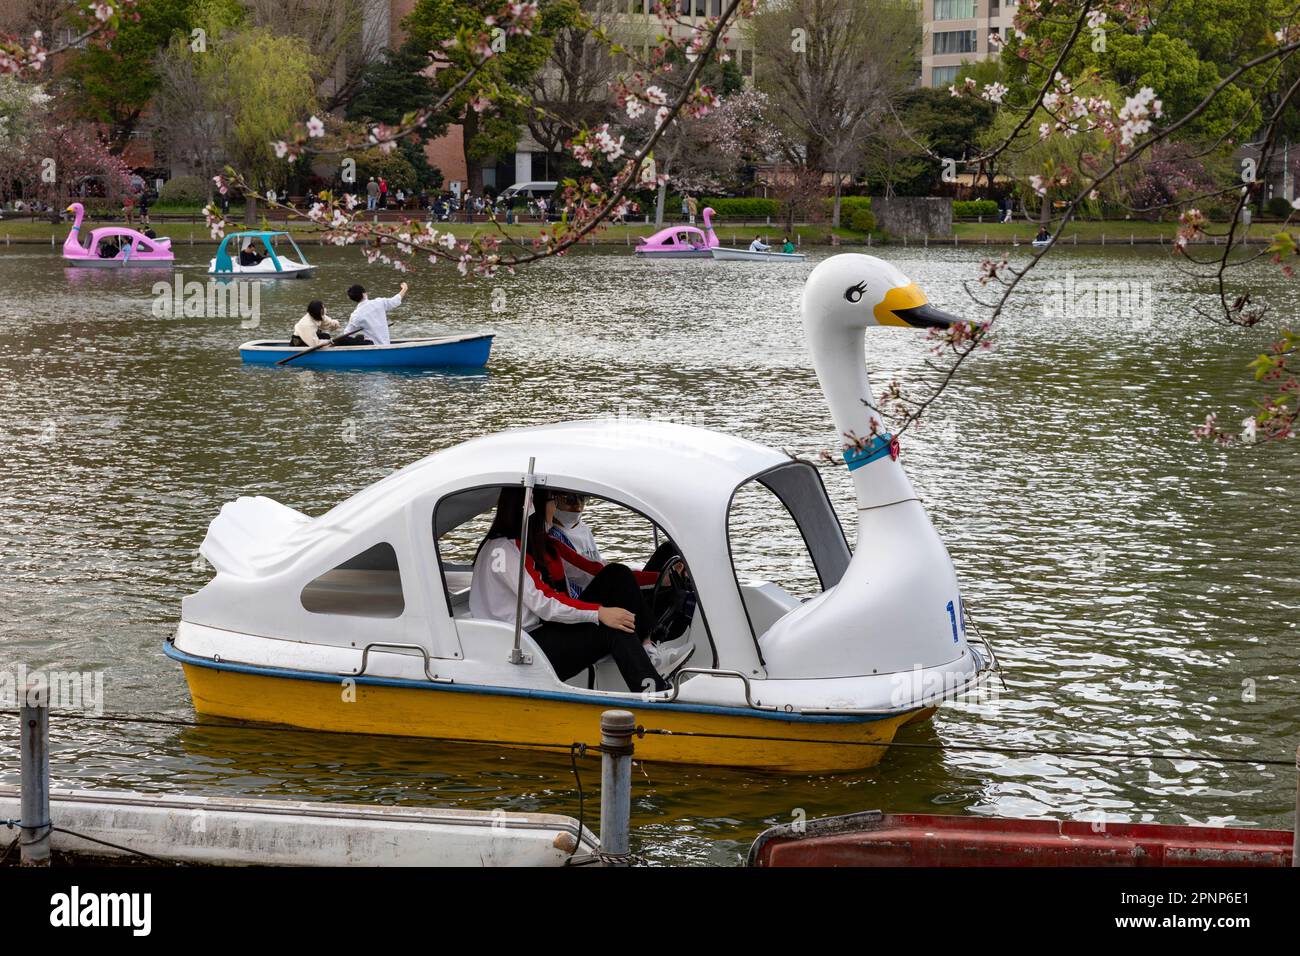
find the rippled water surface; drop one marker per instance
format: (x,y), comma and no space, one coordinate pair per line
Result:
(1142,589)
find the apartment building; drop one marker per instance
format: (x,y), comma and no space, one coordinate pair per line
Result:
(957,32)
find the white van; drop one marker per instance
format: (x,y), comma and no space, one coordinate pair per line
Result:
(529,190)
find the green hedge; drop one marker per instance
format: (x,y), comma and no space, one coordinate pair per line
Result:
(973,208)
(183,191)
(862,219)
(1278,207)
(741,208)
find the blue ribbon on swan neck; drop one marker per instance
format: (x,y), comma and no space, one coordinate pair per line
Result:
(871,451)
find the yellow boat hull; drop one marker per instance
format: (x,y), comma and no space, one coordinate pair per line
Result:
(794,745)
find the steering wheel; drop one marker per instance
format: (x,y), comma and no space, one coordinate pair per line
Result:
(678,593)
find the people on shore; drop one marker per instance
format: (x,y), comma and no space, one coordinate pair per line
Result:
(372,194)
(368,324)
(307,331)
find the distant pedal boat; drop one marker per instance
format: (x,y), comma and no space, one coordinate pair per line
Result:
(747,255)
(681,242)
(448,351)
(134,249)
(272,266)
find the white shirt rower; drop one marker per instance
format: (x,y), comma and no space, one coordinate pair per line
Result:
(370,317)
(758,245)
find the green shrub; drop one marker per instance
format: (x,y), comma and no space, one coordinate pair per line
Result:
(183,191)
(848,206)
(974,208)
(1278,207)
(862,219)
(737,208)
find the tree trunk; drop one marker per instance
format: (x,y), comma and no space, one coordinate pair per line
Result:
(835,210)
(473,170)
(250,210)
(661,194)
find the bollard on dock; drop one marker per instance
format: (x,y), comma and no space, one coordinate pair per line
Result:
(616,729)
(34,813)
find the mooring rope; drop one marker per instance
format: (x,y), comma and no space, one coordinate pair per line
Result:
(587,749)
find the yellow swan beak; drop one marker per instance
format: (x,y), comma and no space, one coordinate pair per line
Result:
(907,307)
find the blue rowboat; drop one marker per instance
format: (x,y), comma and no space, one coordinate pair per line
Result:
(463,351)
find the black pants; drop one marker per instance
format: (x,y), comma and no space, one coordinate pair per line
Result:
(354,339)
(573,647)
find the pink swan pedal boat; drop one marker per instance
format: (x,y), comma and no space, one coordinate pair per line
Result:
(132,248)
(681,242)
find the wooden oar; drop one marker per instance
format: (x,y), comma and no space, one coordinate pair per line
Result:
(321,345)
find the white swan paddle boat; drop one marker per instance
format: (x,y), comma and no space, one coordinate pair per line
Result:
(359,620)
(748,255)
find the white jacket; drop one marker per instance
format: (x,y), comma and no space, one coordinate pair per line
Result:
(307,328)
(493,590)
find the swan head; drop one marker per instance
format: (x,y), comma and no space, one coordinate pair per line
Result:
(852,290)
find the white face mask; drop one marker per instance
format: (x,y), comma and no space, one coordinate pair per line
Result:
(567,519)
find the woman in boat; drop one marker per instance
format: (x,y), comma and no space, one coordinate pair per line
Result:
(569,528)
(607,617)
(1043,235)
(307,332)
(787,246)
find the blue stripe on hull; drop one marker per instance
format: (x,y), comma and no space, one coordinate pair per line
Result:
(575,698)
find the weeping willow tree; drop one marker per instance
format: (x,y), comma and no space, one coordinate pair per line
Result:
(226,99)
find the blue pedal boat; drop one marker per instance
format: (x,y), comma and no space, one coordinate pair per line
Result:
(448,351)
(271,263)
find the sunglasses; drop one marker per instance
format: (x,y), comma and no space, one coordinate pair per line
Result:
(565,499)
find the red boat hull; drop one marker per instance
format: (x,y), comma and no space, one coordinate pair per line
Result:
(903,839)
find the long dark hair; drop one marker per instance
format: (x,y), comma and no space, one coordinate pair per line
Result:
(508,523)
(316,309)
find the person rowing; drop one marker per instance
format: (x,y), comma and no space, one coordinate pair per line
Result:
(758,245)
(368,324)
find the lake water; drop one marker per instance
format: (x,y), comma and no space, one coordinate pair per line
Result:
(1141,588)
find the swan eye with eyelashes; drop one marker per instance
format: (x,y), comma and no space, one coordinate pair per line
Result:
(854,292)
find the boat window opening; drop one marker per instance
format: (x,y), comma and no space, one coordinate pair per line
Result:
(367,585)
(785,541)
(461,522)
(623,535)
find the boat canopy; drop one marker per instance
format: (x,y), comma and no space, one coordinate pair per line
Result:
(681,478)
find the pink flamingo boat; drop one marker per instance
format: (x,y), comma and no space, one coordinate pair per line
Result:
(681,242)
(113,247)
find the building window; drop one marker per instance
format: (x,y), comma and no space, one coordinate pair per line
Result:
(943,75)
(955,41)
(954,9)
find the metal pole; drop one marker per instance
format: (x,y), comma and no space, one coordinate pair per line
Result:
(616,729)
(34,813)
(516,656)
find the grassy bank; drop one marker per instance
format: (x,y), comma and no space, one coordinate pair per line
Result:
(1111,231)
